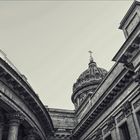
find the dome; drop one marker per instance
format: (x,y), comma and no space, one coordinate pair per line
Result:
(88,80)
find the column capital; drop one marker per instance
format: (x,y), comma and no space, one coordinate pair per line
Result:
(111,123)
(127,108)
(98,134)
(15,118)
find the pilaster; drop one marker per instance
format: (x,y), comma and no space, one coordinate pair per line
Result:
(112,128)
(130,120)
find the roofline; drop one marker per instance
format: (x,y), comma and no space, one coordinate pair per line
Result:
(135,2)
(135,32)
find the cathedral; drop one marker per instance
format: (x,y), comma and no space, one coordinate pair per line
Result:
(107,103)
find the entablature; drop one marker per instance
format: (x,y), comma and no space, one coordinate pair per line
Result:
(129,49)
(18,85)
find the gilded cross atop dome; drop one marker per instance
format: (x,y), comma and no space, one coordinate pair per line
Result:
(91,57)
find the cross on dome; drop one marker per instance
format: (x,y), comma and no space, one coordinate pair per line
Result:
(91,57)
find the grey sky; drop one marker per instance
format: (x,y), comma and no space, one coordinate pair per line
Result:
(49,41)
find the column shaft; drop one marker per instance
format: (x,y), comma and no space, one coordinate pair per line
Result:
(114,134)
(13,132)
(15,120)
(132,128)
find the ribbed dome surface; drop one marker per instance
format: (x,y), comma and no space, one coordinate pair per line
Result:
(88,81)
(93,75)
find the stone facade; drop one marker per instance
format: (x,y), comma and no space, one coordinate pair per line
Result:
(107,104)
(63,121)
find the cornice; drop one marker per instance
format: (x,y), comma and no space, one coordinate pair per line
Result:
(102,104)
(129,46)
(15,82)
(130,74)
(134,4)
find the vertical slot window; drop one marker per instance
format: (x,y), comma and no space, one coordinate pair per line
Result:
(124,132)
(138,117)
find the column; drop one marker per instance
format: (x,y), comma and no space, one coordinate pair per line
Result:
(127,109)
(114,133)
(14,122)
(132,127)
(112,127)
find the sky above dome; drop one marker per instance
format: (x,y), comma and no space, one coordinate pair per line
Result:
(49,41)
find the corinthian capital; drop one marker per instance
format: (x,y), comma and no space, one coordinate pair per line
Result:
(15,118)
(127,108)
(111,122)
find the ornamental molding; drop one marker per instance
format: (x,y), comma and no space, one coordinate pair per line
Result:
(127,108)
(98,134)
(128,51)
(101,106)
(136,77)
(22,89)
(129,66)
(82,84)
(110,122)
(136,104)
(87,89)
(120,118)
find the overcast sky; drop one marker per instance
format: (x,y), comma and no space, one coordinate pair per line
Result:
(49,42)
